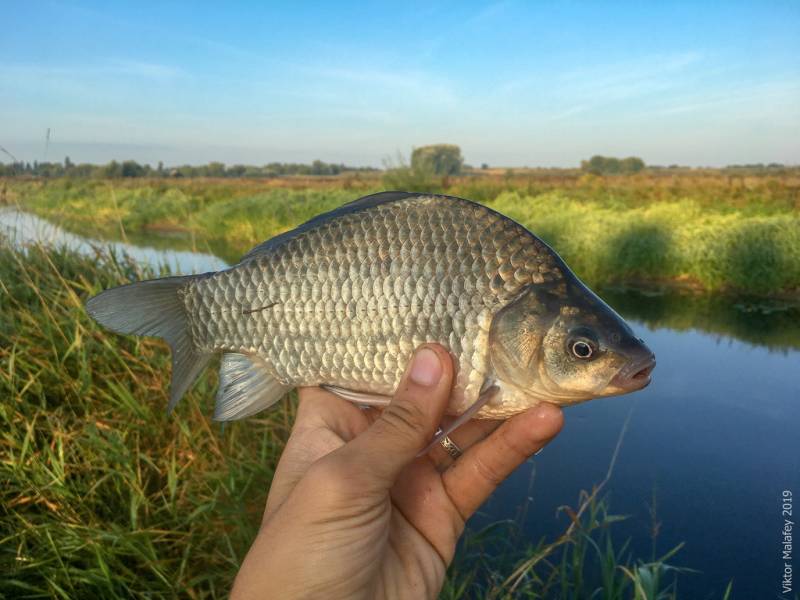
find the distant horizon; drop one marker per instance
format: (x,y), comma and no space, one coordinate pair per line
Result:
(56,154)
(512,83)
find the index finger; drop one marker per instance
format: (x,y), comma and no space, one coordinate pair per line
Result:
(476,474)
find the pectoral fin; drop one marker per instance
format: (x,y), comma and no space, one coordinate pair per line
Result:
(482,400)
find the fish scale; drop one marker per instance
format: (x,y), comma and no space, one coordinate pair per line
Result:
(350,299)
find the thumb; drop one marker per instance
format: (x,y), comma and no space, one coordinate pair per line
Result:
(410,421)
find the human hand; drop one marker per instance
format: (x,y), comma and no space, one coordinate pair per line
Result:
(354,513)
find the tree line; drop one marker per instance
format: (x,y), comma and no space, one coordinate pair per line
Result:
(435,160)
(131,168)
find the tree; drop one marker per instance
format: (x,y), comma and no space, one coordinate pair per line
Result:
(112,169)
(632,164)
(215,169)
(440,159)
(607,165)
(130,168)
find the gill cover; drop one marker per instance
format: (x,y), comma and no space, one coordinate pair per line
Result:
(516,334)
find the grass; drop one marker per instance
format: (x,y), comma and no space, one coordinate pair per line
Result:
(105,496)
(585,562)
(666,241)
(712,231)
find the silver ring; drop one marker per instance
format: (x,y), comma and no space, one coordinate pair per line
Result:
(451,447)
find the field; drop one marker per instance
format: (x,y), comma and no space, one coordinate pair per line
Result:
(710,231)
(105,496)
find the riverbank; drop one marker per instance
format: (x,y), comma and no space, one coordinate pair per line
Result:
(709,233)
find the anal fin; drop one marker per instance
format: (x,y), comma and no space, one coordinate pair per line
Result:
(245,387)
(363,398)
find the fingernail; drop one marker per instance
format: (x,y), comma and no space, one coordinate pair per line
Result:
(426,369)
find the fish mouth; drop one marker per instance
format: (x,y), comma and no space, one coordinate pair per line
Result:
(636,375)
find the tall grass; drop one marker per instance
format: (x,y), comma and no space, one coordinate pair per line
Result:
(102,495)
(587,561)
(713,232)
(666,241)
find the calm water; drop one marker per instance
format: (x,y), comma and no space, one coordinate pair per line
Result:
(23,227)
(714,438)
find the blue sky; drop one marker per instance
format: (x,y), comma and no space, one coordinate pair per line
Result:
(513,83)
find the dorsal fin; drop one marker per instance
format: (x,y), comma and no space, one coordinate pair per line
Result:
(346,209)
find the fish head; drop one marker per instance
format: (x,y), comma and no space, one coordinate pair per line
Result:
(562,344)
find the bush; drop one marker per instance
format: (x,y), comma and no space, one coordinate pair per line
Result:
(604,165)
(439,159)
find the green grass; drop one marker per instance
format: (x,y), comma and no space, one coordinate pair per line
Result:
(102,495)
(678,241)
(586,561)
(712,232)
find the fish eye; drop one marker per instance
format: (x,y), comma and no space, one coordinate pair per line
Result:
(582,349)
(582,343)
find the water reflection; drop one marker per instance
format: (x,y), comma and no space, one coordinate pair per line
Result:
(773,323)
(25,228)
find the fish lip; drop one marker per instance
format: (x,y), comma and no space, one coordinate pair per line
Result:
(636,375)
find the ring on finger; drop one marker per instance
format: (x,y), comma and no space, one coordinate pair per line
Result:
(451,447)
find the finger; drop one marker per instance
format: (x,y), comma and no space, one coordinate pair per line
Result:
(466,436)
(409,422)
(475,475)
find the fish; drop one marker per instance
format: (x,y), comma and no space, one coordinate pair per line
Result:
(343,300)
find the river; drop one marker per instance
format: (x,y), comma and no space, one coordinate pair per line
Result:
(714,439)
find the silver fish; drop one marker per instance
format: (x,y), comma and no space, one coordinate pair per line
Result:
(342,301)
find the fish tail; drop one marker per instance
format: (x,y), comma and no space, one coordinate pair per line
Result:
(155,308)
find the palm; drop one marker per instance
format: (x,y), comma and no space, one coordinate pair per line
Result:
(410,532)
(407,521)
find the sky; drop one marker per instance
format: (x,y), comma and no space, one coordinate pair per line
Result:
(513,83)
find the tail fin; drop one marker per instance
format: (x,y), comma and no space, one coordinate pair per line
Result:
(154,308)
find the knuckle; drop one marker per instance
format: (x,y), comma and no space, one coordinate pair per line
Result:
(487,472)
(406,420)
(520,449)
